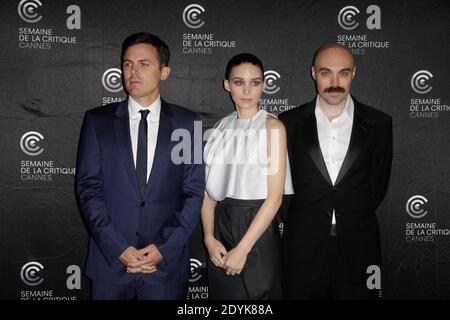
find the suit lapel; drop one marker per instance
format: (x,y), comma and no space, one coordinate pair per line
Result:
(310,140)
(122,132)
(359,136)
(162,152)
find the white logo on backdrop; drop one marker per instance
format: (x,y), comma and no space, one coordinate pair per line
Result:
(29,143)
(191,16)
(27,10)
(271,77)
(112,80)
(30,273)
(345,17)
(419,81)
(195,275)
(414,206)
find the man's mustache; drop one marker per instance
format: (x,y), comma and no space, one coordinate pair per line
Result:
(334,89)
(135,78)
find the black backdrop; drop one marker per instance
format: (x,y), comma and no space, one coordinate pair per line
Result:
(61,58)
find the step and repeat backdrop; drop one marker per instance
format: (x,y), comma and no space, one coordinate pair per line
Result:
(60,58)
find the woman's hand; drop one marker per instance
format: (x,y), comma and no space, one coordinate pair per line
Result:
(235,260)
(216,251)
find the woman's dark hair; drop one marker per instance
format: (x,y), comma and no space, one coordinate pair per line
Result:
(240,59)
(145,37)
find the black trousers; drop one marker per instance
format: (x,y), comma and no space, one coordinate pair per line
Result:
(332,281)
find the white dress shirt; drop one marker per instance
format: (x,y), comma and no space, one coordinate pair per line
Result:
(334,138)
(152,128)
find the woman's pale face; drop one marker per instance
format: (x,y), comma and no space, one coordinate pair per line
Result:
(246,84)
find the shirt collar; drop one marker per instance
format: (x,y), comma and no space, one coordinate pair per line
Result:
(347,113)
(134,108)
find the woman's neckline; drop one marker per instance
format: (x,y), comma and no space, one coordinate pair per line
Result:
(247,119)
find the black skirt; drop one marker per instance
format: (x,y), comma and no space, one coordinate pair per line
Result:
(261,277)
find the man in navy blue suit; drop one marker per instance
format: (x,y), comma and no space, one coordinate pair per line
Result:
(139,204)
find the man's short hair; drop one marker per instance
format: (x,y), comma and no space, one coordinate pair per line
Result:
(148,38)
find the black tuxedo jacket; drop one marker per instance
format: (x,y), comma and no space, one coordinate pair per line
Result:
(360,187)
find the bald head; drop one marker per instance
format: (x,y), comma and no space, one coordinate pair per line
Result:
(334,48)
(333,70)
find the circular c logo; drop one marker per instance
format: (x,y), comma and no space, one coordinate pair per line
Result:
(30,273)
(414,206)
(271,77)
(112,80)
(195,275)
(345,17)
(27,10)
(191,16)
(29,143)
(419,81)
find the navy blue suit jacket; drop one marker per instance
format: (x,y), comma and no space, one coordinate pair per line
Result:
(115,213)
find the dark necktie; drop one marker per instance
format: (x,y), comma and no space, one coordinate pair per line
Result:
(141,157)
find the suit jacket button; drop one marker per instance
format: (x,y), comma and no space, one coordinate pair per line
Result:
(335,189)
(143,204)
(137,233)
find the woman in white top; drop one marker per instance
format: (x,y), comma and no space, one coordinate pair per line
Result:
(247,173)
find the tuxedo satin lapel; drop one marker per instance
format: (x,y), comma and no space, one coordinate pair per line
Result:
(162,152)
(311,142)
(122,132)
(360,134)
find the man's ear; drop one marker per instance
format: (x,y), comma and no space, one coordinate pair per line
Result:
(313,72)
(226,85)
(165,72)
